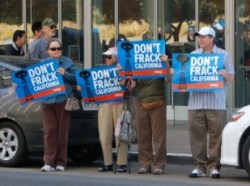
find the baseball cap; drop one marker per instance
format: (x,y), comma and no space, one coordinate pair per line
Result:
(111,51)
(48,22)
(205,31)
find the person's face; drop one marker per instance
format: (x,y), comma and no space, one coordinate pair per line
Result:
(38,34)
(205,42)
(55,50)
(21,41)
(49,31)
(110,60)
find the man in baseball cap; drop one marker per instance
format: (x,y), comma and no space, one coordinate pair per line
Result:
(38,49)
(207,118)
(49,22)
(205,31)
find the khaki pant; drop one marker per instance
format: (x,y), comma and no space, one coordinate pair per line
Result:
(201,123)
(107,118)
(151,131)
(56,123)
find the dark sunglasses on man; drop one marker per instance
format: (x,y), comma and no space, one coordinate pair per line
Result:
(53,27)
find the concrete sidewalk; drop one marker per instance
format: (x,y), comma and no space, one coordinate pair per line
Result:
(178,147)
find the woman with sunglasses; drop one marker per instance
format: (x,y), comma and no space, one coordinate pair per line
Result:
(108,113)
(56,119)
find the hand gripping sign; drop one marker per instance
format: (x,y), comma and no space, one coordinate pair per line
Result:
(38,81)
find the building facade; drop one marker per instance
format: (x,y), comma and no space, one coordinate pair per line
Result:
(88,27)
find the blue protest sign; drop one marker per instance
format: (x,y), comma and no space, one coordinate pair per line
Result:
(38,81)
(197,72)
(141,59)
(100,85)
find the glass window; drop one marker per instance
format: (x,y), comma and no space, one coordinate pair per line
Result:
(10,20)
(5,78)
(242,53)
(72,30)
(212,13)
(36,11)
(178,32)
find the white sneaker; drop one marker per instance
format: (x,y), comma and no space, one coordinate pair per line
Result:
(60,168)
(47,168)
(215,173)
(197,173)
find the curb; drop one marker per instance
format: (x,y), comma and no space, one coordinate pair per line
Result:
(172,158)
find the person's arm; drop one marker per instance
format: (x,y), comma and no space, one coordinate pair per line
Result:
(165,58)
(228,76)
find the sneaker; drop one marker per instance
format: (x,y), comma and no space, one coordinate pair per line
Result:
(215,173)
(144,170)
(197,173)
(47,168)
(105,168)
(158,171)
(122,168)
(60,168)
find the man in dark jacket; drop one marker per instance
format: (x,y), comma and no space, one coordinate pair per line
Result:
(15,48)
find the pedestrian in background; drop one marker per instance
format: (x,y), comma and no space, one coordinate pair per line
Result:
(37,32)
(207,112)
(56,119)
(108,113)
(38,49)
(15,48)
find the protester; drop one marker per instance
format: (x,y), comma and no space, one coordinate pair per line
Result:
(37,32)
(151,122)
(207,112)
(56,119)
(15,48)
(38,49)
(108,113)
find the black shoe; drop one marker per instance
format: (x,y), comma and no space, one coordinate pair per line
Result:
(122,168)
(105,168)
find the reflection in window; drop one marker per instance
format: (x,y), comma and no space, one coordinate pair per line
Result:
(72,30)
(242,53)
(5,78)
(212,13)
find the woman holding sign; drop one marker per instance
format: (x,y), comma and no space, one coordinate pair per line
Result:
(56,119)
(108,114)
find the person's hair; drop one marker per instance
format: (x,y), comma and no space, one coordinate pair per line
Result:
(51,41)
(36,26)
(18,33)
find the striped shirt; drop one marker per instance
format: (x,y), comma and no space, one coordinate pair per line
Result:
(215,100)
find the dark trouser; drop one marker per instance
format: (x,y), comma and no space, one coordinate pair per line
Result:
(201,123)
(151,126)
(55,128)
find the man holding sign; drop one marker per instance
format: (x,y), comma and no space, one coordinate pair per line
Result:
(207,112)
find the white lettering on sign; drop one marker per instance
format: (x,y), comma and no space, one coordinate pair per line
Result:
(204,68)
(43,77)
(102,74)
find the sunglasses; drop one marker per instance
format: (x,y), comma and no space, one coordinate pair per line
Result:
(108,56)
(54,49)
(52,27)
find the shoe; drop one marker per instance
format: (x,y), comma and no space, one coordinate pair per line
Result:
(215,173)
(158,171)
(197,173)
(121,168)
(60,168)
(105,168)
(143,170)
(47,168)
